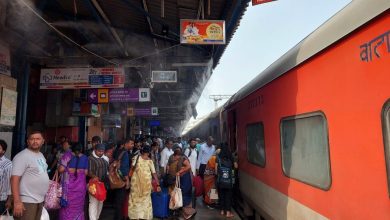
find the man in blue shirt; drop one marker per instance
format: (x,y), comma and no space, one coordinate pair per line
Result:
(124,159)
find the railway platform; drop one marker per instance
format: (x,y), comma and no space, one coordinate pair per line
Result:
(203,213)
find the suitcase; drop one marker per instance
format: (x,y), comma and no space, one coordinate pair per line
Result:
(160,203)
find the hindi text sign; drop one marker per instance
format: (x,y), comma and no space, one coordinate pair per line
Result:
(202,31)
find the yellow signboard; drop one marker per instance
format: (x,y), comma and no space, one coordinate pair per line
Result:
(130,111)
(102,95)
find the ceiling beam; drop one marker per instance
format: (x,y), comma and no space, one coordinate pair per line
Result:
(113,31)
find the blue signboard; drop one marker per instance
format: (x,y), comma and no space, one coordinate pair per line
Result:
(101,79)
(154,123)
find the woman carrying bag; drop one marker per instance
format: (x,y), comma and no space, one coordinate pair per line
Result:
(179,166)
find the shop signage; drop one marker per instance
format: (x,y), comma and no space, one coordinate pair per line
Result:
(160,76)
(5,61)
(202,31)
(154,123)
(258,2)
(80,78)
(8,107)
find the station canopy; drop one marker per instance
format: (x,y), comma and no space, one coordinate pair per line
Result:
(140,35)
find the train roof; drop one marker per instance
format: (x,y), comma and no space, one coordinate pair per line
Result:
(351,17)
(212,114)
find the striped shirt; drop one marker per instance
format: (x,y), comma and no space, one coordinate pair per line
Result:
(5,178)
(97,166)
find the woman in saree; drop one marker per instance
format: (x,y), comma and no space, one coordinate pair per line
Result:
(74,168)
(140,202)
(179,165)
(210,178)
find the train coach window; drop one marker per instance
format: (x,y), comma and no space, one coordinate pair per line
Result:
(255,144)
(305,149)
(386,138)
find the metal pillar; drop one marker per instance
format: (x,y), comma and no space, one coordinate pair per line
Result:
(19,137)
(82,131)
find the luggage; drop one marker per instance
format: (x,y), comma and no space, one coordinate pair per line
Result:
(160,203)
(53,195)
(198,184)
(176,200)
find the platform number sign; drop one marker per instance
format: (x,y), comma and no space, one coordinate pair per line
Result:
(154,111)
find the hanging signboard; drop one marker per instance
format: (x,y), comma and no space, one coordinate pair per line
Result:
(8,107)
(153,111)
(258,2)
(5,61)
(160,76)
(129,95)
(202,31)
(81,78)
(111,121)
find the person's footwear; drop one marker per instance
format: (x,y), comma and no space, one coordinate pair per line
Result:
(229,215)
(222,212)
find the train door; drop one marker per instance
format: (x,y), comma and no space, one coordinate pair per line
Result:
(232,117)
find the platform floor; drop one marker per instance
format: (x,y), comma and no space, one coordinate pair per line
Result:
(203,213)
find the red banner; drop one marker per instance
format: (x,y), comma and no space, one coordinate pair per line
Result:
(258,2)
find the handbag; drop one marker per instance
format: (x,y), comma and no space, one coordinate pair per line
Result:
(97,189)
(6,216)
(176,200)
(53,195)
(114,175)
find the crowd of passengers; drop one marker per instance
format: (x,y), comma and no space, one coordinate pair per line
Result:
(145,165)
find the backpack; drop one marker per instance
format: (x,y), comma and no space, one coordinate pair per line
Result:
(114,174)
(224,173)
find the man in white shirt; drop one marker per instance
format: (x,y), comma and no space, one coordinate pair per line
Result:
(165,154)
(5,178)
(192,155)
(206,151)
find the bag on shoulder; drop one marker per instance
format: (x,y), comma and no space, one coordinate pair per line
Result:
(53,195)
(224,174)
(114,174)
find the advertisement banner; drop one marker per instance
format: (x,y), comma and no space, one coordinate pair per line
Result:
(258,2)
(82,78)
(5,60)
(202,31)
(8,107)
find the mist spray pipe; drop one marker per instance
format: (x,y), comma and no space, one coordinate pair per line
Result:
(66,37)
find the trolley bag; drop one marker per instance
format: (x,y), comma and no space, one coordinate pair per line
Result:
(160,203)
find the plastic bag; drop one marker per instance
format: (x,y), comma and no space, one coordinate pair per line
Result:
(97,189)
(6,216)
(176,200)
(45,215)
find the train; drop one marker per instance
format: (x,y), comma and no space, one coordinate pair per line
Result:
(312,131)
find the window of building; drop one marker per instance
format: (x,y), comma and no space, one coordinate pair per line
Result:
(386,139)
(305,149)
(255,144)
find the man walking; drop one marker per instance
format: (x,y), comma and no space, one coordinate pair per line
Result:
(5,176)
(98,168)
(29,181)
(206,151)
(165,154)
(192,155)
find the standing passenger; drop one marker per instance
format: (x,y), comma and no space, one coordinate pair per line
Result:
(206,151)
(192,155)
(165,154)
(29,181)
(74,185)
(123,162)
(155,156)
(140,202)
(224,167)
(98,168)
(5,184)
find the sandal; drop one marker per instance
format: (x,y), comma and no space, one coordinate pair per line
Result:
(222,212)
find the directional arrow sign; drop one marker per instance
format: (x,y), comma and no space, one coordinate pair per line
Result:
(93,96)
